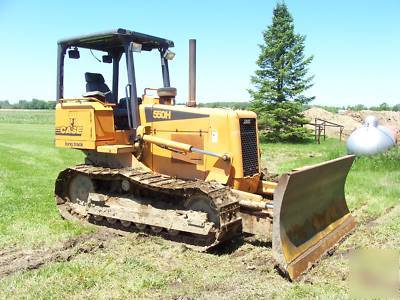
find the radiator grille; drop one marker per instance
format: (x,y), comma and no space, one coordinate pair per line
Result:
(248,136)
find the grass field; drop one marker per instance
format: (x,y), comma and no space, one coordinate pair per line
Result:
(43,256)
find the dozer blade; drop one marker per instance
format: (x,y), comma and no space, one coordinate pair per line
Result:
(310,215)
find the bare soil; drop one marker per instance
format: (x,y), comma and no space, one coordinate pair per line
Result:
(14,260)
(351,120)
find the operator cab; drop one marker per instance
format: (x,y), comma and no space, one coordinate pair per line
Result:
(115,44)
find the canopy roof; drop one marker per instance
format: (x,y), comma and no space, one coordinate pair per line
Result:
(114,39)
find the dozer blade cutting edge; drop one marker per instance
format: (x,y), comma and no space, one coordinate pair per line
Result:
(310,214)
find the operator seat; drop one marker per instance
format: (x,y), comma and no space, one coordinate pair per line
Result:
(95,83)
(96,87)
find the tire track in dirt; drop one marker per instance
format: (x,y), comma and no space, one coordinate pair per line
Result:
(14,260)
(368,223)
(372,222)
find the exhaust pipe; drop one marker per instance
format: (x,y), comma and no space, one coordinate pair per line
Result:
(192,73)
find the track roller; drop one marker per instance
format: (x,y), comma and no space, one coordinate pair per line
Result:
(156,229)
(98,218)
(173,232)
(141,227)
(112,221)
(126,224)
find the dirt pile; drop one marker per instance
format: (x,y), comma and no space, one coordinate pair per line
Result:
(349,123)
(386,118)
(351,120)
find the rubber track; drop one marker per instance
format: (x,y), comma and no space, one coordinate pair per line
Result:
(225,202)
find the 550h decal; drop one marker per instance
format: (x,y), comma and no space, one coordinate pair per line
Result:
(159,114)
(162,114)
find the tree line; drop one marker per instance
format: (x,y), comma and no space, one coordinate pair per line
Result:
(25,104)
(42,104)
(381,107)
(333,109)
(358,107)
(230,104)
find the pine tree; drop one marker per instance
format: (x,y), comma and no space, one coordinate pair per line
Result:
(281,80)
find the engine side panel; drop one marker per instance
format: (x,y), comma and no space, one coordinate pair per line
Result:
(216,130)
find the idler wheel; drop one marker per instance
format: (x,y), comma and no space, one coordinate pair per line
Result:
(202,203)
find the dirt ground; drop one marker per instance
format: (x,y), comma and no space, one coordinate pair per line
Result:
(13,260)
(351,120)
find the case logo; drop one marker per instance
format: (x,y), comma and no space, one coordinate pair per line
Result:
(71,130)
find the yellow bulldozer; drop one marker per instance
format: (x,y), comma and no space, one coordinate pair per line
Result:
(189,174)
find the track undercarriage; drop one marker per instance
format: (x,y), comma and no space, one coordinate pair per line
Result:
(200,214)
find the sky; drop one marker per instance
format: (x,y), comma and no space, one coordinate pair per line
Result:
(356,46)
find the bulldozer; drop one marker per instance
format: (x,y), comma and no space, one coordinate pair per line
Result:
(187,173)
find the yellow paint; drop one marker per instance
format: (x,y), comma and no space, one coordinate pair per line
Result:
(84,124)
(146,99)
(266,187)
(218,131)
(115,149)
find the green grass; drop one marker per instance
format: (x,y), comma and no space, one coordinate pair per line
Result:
(29,164)
(138,266)
(27,116)
(372,183)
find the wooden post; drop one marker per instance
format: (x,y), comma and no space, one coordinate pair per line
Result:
(340,134)
(315,129)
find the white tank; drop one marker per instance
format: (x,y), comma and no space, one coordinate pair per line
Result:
(388,132)
(371,121)
(371,138)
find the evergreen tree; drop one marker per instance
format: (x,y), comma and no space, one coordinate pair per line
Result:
(281,80)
